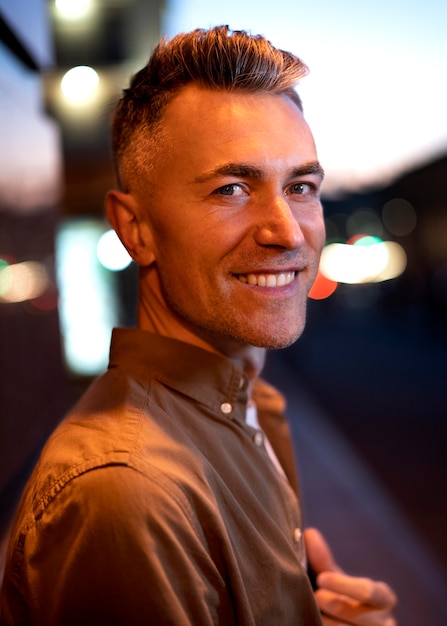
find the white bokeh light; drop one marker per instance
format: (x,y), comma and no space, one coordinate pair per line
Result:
(359,264)
(88,303)
(73,9)
(111,252)
(23,281)
(79,84)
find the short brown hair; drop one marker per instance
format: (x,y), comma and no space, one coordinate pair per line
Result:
(218,59)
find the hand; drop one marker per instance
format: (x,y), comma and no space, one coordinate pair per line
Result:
(347,600)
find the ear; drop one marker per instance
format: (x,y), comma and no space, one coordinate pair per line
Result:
(124,215)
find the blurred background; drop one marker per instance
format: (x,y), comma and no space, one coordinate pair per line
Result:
(366,382)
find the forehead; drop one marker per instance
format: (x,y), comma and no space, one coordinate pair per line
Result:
(197,113)
(203,129)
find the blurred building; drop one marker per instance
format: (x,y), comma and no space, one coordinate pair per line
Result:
(31,372)
(114,38)
(54,165)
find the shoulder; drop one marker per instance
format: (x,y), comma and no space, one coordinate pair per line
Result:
(111,440)
(119,496)
(111,506)
(112,528)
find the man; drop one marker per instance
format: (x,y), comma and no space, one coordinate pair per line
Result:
(168,496)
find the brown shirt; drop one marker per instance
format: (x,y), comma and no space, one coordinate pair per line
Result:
(155,503)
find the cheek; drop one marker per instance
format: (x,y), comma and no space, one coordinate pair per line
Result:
(184,262)
(315,233)
(321,238)
(172,241)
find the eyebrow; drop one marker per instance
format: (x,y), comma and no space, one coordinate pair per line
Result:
(242,170)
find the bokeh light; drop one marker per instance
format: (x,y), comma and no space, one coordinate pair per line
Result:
(364,221)
(111,253)
(5,276)
(79,84)
(73,9)
(22,281)
(372,261)
(351,264)
(336,227)
(322,288)
(88,301)
(396,263)
(399,217)
(363,240)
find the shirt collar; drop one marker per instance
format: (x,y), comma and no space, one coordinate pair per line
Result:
(208,378)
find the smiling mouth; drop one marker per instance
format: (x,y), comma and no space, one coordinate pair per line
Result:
(267,280)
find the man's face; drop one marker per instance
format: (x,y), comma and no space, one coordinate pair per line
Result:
(236,216)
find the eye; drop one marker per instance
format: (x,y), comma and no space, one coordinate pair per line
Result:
(300,189)
(233,189)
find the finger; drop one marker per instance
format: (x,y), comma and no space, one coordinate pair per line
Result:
(319,554)
(326,620)
(343,610)
(335,609)
(366,591)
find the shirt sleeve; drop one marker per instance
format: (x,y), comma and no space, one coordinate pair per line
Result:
(119,547)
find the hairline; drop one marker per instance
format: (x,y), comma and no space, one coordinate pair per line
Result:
(151,134)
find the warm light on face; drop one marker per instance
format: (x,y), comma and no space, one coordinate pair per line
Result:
(236,245)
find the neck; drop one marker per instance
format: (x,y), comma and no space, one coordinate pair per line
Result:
(156,316)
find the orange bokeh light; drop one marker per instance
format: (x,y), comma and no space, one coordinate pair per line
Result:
(322,288)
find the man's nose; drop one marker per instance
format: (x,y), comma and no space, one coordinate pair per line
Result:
(278,225)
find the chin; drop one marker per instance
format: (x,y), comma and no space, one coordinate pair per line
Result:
(263,332)
(276,343)
(270,340)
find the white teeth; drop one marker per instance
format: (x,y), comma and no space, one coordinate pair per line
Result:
(281,281)
(268,280)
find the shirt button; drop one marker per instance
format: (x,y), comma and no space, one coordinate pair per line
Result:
(226,408)
(297,534)
(258,438)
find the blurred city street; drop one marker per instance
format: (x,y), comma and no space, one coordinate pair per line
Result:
(368,412)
